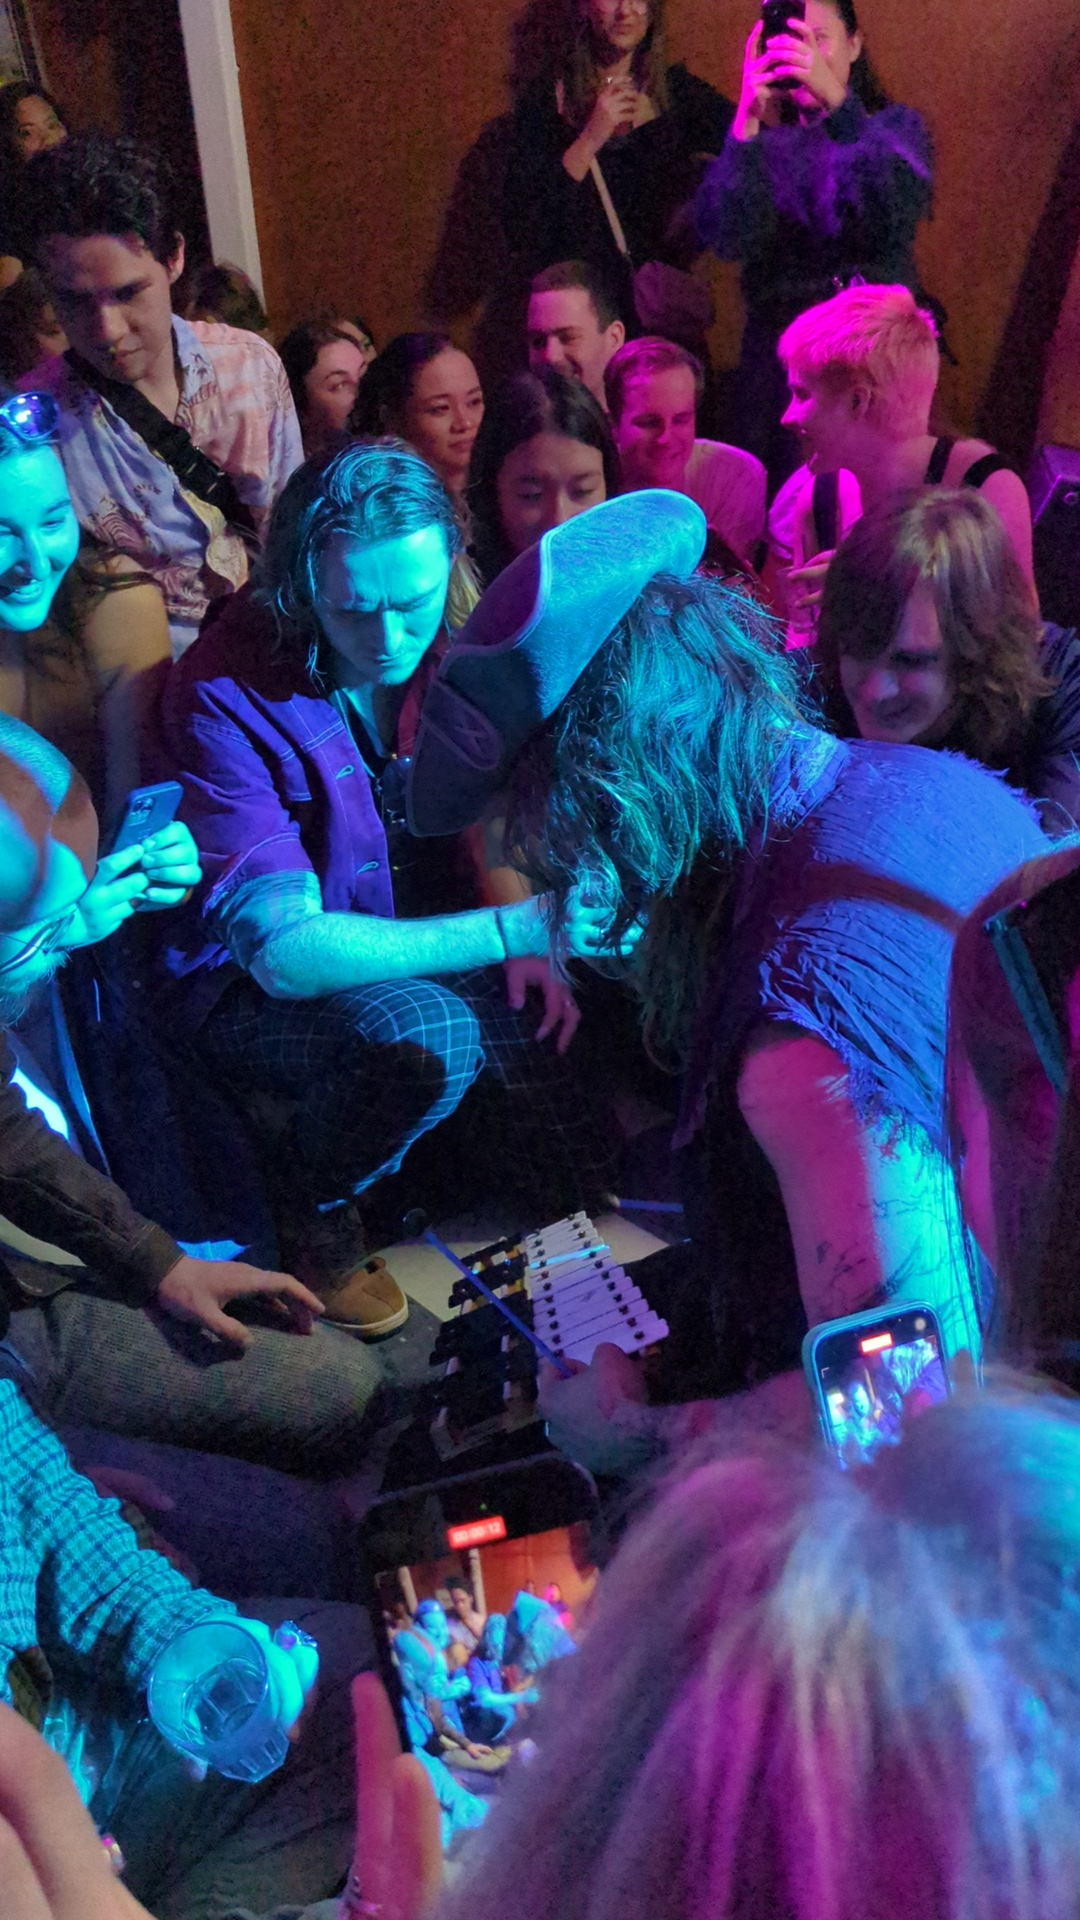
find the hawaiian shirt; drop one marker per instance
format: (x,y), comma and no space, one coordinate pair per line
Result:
(236,405)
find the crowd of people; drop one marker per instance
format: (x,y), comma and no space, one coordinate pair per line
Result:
(496,703)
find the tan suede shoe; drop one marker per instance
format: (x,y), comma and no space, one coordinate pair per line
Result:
(367,1301)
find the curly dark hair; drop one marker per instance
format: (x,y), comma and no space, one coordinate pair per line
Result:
(101,183)
(651,777)
(11,97)
(954,543)
(525,405)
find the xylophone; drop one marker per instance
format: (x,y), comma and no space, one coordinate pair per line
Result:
(564,1284)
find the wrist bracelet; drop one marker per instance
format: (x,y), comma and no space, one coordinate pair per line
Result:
(498,912)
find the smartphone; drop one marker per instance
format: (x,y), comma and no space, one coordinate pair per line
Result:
(872,1372)
(775,15)
(146,811)
(477,1586)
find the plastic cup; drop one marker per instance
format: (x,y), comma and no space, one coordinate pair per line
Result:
(212,1696)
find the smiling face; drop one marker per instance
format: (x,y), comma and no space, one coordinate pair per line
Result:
(655,432)
(381,604)
(330,389)
(39,536)
(36,127)
(442,415)
(112,300)
(544,482)
(905,696)
(564,331)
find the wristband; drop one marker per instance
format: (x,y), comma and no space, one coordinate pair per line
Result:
(498,912)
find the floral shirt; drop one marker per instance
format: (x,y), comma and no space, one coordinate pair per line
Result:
(236,405)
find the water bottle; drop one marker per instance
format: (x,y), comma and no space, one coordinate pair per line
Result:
(225,1692)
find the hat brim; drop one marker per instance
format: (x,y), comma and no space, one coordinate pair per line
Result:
(529,640)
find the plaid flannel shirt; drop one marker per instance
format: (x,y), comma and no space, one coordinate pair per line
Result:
(75,1586)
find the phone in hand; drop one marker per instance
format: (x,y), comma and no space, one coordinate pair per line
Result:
(775,15)
(477,1587)
(870,1373)
(146,811)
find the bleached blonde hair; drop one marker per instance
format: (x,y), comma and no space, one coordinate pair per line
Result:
(873,336)
(815,1695)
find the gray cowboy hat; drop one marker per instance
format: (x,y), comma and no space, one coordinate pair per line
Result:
(530,638)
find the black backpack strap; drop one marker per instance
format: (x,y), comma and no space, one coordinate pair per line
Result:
(826,510)
(195,470)
(981,469)
(939,460)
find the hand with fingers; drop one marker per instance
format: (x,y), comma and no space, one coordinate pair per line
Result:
(200,1290)
(615,111)
(110,899)
(809,584)
(53,1865)
(170,861)
(561,1011)
(149,875)
(398,1869)
(801,61)
(588,930)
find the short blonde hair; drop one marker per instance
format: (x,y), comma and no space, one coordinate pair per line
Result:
(873,335)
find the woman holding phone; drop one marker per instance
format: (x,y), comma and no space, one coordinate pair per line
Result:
(822,181)
(84,646)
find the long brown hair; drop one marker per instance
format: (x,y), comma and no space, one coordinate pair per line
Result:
(575,59)
(954,543)
(651,777)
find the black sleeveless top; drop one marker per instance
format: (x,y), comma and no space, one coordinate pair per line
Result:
(826,494)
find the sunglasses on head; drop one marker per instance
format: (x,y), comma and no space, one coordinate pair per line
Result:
(32,417)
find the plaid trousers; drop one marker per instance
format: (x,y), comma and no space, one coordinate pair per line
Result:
(368,1071)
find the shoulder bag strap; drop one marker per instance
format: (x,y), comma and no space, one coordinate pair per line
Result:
(826,509)
(980,470)
(600,184)
(939,460)
(194,469)
(608,205)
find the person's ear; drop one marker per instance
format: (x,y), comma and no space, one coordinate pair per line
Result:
(859,399)
(174,266)
(855,46)
(616,333)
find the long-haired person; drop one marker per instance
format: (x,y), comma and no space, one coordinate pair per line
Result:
(609,97)
(325,365)
(821,179)
(30,122)
(543,454)
(798,895)
(426,391)
(928,636)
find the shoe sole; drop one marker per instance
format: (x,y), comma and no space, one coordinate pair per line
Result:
(373,1330)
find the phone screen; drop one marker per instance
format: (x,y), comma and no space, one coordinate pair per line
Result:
(873,1378)
(471,1635)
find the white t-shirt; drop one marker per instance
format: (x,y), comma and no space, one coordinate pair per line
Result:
(729,486)
(792,543)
